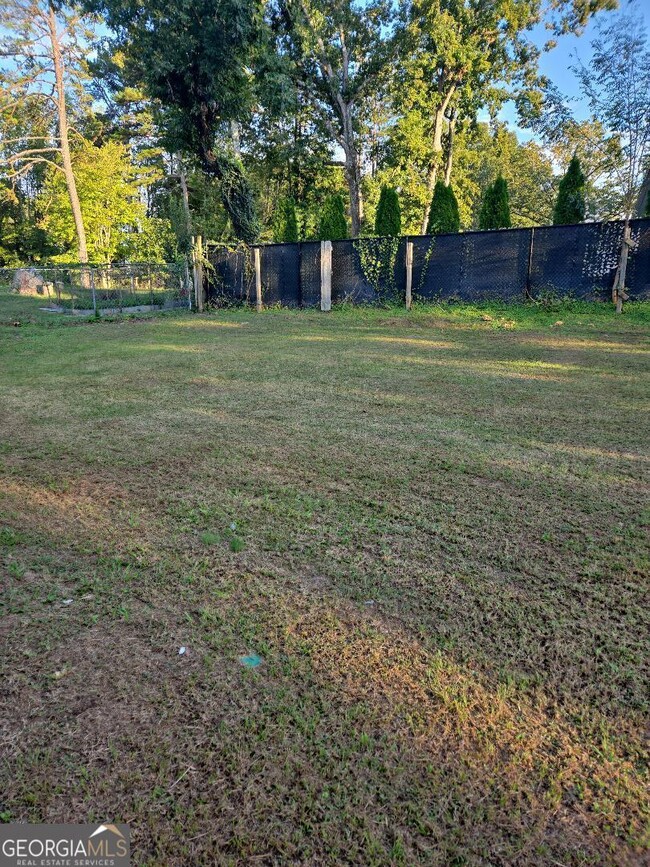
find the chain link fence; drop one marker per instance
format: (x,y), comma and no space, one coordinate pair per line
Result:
(97,289)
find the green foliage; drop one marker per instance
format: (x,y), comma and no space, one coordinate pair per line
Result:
(495,210)
(114,216)
(480,153)
(236,195)
(378,258)
(339,56)
(443,216)
(570,205)
(196,61)
(286,224)
(333,224)
(155,241)
(388,219)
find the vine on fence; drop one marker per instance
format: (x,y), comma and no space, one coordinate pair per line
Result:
(228,248)
(378,257)
(430,242)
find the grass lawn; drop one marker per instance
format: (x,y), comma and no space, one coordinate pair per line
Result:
(429,527)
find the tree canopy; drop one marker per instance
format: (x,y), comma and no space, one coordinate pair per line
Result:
(261,121)
(193,59)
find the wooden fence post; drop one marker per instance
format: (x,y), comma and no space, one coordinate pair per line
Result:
(409,274)
(258,279)
(197,269)
(187,283)
(325,275)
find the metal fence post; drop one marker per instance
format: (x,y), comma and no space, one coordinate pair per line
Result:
(325,275)
(409,274)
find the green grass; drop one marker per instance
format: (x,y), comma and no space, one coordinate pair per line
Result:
(430,527)
(17,310)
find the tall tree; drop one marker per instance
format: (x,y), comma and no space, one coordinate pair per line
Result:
(388,219)
(196,64)
(286,226)
(495,210)
(443,214)
(109,190)
(570,203)
(457,56)
(333,225)
(340,54)
(45,46)
(460,54)
(616,83)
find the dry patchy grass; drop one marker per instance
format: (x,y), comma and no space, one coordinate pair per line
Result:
(429,526)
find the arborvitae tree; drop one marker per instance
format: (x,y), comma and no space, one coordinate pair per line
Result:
(570,206)
(443,214)
(388,219)
(333,225)
(495,211)
(286,226)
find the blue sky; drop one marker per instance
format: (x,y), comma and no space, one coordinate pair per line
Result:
(555,63)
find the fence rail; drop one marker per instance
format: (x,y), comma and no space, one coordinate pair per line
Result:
(577,261)
(88,289)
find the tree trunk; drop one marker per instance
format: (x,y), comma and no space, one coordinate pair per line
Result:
(434,166)
(450,149)
(353,178)
(235,138)
(436,159)
(64,142)
(618,291)
(352,168)
(186,198)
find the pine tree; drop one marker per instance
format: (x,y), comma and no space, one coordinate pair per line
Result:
(570,206)
(286,226)
(388,220)
(495,210)
(443,215)
(333,225)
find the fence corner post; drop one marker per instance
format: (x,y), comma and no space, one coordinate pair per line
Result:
(409,274)
(325,275)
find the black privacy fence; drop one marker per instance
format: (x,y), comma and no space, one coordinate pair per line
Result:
(577,261)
